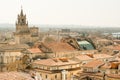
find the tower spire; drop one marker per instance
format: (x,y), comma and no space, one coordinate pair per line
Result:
(21,11)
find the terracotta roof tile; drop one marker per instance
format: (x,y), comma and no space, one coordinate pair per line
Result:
(14,76)
(14,47)
(34,50)
(59,46)
(114,76)
(54,62)
(83,57)
(97,56)
(114,47)
(94,64)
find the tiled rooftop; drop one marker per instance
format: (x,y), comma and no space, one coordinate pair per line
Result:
(114,47)
(114,76)
(83,57)
(13,47)
(94,64)
(60,46)
(97,56)
(34,50)
(15,76)
(92,56)
(54,62)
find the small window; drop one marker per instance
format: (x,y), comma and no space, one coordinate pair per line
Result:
(55,76)
(46,76)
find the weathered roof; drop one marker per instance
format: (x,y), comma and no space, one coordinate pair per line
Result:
(104,40)
(15,76)
(117,76)
(94,64)
(14,47)
(113,47)
(34,50)
(54,62)
(59,46)
(83,57)
(98,56)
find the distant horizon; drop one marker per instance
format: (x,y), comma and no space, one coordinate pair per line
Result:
(65,25)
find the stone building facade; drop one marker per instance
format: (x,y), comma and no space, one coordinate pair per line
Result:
(56,68)
(9,54)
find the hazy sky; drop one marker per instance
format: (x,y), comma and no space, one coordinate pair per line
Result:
(80,12)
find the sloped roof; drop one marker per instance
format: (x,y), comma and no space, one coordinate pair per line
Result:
(54,62)
(94,64)
(97,56)
(83,57)
(114,47)
(117,76)
(105,40)
(34,50)
(15,76)
(14,47)
(59,46)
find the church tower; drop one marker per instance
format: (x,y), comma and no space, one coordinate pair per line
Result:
(23,33)
(21,23)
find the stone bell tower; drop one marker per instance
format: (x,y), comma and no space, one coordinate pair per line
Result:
(22,34)
(21,23)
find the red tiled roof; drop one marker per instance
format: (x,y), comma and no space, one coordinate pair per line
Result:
(92,56)
(14,76)
(34,50)
(59,46)
(54,62)
(97,56)
(94,64)
(114,47)
(114,76)
(83,57)
(103,40)
(116,40)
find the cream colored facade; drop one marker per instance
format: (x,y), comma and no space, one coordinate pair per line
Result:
(8,57)
(56,72)
(9,54)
